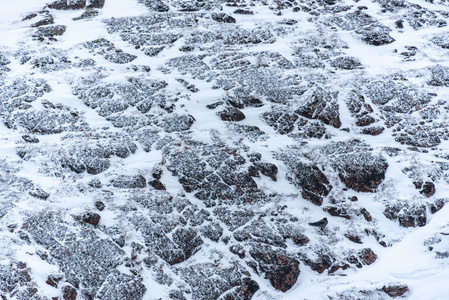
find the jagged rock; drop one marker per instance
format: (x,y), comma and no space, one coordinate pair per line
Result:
(30,139)
(15,279)
(237,250)
(313,183)
(212,231)
(346,63)
(91,218)
(222,18)
(69,293)
(358,168)
(395,290)
(178,123)
(267,169)
(337,211)
(428,189)
(188,241)
(68,4)
(320,264)
(408,216)
(282,271)
(320,104)
(367,256)
(49,32)
(231,114)
(283,122)
(121,286)
(39,193)
(129,182)
(100,205)
(157,184)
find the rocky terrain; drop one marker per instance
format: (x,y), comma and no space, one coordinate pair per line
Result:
(174,149)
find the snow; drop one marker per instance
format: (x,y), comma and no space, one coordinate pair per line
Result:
(407,261)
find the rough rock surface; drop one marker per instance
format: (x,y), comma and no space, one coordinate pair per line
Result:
(180,149)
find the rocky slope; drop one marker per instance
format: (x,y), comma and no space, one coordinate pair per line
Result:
(174,149)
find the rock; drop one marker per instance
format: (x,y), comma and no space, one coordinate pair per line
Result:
(267,169)
(129,182)
(337,211)
(67,4)
(367,256)
(346,63)
(237,250)
(374,130)
(407,215)
(428,189)
(99,205)
(358,168)
(69,293)
(91,218)
(395,290)
(282,271)
(49,32)
(121,286)
(176,123)
(231,114)
(366,214)
(39,193)
(314,184)
(188,241)
(320,104)
(157,184)
(96,3)
(212,231)
(222,18)
(30,139)
(53,280)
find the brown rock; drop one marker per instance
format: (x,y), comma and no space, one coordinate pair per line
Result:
(428,189)
(395,290)
(367,256)
(366,214)
(69,293)
(91,218)
(337,212)
(53,280)
(231,114)
(157,184)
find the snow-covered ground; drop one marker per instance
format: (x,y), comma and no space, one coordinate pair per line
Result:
(339,100)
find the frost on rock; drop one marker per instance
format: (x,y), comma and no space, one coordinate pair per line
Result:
(357,167)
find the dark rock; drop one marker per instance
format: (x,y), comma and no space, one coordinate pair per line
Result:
(129,182)
(366,214)
(428,189)
(320,105)
(395,290)
(212,231)
(407,215)
(49,32)
(121,286)
(320,264)
(283,122)
(314,184)
(53,280)
(39,193)
(346,63)
(68,4)
(365,120)
(99,205)
(282,271)
(439,204)
(30,139)
(96,3)
(243,12)
(237,250)
(354,238)
(91,218)
(188,241)
(358,168)
(337,211)
(293,233)
(374,130)
(176,123)
(231,114)
(222,18)
(69,293)
(267,169)
(157,184)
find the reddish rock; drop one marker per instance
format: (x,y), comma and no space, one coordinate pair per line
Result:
(395,290)
(428,189)
(337,212)
(367,256)
(437,206)
(366,214)
(53,280)
(157,184)
(91,218)
(335,268)
(354,238)
(69,293)
(231,114)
